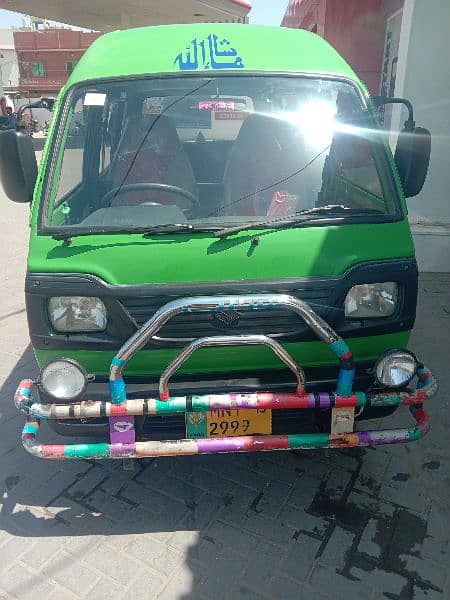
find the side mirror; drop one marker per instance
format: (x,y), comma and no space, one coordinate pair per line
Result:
(47,103)
(18,165)
(412,154)
(412,157)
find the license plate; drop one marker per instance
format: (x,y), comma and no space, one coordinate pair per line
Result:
(228,423)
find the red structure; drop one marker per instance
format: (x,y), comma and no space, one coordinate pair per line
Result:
(46,58)
(356,28)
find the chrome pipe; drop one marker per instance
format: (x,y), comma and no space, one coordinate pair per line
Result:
(230,340)
(254,302)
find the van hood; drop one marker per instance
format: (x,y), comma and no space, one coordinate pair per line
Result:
(120,259)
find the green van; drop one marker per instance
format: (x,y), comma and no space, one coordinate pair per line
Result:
(216,210)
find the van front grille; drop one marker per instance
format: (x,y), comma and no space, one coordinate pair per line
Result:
(187,327)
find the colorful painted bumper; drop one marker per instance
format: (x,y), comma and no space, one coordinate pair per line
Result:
(360,401)
(121,411)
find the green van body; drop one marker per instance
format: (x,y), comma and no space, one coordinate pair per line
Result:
(318,274)
(131,259)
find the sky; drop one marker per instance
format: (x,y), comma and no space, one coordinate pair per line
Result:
(268,12)
(264,12)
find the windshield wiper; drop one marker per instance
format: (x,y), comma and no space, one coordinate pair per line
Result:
(179,227)
(296,218)
(145,231)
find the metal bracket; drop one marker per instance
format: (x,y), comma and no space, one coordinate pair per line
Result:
(230,340)
(342,420)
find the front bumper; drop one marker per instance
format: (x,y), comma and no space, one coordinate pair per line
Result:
(122,410)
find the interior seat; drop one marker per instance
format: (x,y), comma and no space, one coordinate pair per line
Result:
(266,153)
(151,152)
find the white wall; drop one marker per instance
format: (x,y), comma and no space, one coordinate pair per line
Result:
(9,67)
(423,76)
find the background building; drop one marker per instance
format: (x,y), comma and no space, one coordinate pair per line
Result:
(109,15)
(9,66)
(400,48)
(44,54)
(46,58)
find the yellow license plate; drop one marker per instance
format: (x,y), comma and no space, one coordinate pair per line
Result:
(227,423)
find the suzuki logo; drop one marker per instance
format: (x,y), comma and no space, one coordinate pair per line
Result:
(225,320)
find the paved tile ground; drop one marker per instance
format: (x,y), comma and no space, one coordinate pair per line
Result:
(372,523)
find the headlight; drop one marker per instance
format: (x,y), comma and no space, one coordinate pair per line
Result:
(64,379)
(371,300)
(396,368)
(77,313)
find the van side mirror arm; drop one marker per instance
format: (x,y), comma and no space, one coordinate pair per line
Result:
(413,150)
(410,124)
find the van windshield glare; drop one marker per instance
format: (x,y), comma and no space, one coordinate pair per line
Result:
(213,152)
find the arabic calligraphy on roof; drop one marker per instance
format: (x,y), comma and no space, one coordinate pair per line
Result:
(209,53)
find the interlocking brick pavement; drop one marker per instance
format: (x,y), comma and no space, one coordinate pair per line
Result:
(373,522)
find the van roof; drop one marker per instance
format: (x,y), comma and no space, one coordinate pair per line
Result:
(209,48)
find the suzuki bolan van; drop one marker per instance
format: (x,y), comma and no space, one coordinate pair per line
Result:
(220,257)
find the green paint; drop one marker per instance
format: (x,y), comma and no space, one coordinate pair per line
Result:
(174,405)
(415,433)
(200,403)
(308,440)
(200,257)
(196,425)
(226,360)
(386,401)
(262,48)
(362,399)
(179,258)
(87,451)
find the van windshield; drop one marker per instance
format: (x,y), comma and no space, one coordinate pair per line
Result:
(213,152)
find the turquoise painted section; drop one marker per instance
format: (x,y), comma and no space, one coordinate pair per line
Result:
(340,347)
(345,382)
(117,362)
(118,391)
(87,451)
(30,428)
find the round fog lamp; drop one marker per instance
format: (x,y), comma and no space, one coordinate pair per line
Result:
(396,368)
(64,379)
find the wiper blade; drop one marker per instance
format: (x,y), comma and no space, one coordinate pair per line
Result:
(301,216)
(146,231)
(178,227)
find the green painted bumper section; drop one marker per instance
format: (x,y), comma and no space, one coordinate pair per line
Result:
(86,451)
(308,441)
(224,360)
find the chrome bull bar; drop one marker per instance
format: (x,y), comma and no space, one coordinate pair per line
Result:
(121,411)
(230,340)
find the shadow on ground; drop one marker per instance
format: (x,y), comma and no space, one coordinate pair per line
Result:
(371,522)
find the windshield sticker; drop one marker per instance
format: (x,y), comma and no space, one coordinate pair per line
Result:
(209,53)
(230,116)
(94,99)
(214,105)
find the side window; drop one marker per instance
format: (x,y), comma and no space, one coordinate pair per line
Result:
(71,173)
(37,69)
(351,150)
(355,163)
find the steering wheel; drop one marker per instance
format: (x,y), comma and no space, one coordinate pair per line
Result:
(137,187)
